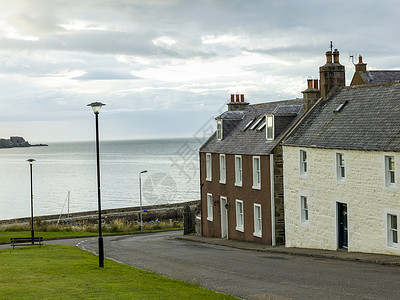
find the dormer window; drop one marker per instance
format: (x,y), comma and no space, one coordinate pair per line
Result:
(219,129)
(270,127)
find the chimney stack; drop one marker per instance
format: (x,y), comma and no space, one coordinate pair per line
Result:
(361,67)
(311,94)
(331,74)
(237,102)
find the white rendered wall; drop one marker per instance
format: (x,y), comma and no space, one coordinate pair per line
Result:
(364,190)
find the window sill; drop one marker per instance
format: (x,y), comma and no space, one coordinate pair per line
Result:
(259,235)
(240,229)
(208,179)
(238,184)
(222,182)
(256,187)
(209,219)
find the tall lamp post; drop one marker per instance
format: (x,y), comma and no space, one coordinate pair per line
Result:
(31,160)
(96,106)
(140,197)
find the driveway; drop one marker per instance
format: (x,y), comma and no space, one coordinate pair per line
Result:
(250,274)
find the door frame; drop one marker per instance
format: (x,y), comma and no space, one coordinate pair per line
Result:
(224,217)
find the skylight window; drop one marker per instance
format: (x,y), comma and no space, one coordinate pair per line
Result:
(340,106)
(256,123)
(261,126)
(248,124)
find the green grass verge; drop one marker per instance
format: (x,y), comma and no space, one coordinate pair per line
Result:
(66,272)
(6,235)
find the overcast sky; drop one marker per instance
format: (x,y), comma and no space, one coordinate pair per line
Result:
(165,67)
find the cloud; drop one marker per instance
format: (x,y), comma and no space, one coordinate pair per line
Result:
(105,74)
(174,60)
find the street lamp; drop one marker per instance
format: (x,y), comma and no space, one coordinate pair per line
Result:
(140,195)
(96,106)
(31,160)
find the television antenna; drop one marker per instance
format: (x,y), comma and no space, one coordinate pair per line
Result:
(353,56)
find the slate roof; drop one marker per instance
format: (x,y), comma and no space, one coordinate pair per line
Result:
(239,141)
(382,76)
(369,119)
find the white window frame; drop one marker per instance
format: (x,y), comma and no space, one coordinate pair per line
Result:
(208,167)
(392,231)
(390,174)
(222,168)
(239,215)
(210,203)
(270,132)
(238,170)
(340,167)
(304,209)
(303,162)
(219,130)
(256,172)
(257,220)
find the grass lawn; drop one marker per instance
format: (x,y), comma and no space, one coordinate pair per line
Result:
(66,272)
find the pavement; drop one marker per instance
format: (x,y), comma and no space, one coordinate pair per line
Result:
(382,259)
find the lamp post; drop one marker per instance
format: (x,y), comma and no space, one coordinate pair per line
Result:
(31,160)
(96,106)
(140,197)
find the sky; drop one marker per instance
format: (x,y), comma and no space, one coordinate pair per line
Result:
(166,68)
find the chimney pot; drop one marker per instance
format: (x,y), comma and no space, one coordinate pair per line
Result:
(237,98)
(328,57)
(316,84)
(309,83)
(242,98)
(360,59)
(232,98)
(336,56)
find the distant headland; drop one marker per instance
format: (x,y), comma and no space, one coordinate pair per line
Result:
(16,141)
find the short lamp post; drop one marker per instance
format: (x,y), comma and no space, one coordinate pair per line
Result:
(96,106)
(140,197)
(31,160)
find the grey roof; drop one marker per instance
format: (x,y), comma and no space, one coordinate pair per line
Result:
(239,141)
(231,115)
(367,117)
(382,76)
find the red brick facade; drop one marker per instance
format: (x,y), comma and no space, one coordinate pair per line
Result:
(245,193)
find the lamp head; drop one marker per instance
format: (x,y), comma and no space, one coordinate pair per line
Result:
(31,160)
(145,171)
(96,106)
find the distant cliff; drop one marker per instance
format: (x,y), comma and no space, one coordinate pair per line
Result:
(16,141)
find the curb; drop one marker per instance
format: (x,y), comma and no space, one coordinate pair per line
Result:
(381,259)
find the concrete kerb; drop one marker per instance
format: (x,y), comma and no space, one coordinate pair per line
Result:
(382,259)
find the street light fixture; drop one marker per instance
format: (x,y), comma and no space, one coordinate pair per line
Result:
(96,106)
(140,195)
(31,160)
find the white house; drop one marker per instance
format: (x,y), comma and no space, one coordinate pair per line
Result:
(342,172)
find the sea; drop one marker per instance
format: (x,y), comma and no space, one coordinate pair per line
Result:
(64,175)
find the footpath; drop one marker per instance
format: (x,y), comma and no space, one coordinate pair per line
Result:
(382,259)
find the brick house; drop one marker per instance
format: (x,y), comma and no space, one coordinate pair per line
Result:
(341,168)
(241,171)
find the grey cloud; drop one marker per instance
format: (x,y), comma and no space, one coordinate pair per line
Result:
(106,74)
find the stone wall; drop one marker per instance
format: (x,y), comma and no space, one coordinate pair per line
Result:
(278,197)
(364,190)
(150,213)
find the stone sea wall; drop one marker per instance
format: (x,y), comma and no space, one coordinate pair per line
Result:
(150,214)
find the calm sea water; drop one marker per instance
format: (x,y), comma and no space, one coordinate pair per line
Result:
(172,165)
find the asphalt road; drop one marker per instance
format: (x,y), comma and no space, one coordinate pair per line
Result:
(249,274)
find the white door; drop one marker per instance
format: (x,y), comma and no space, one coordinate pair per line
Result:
(224,218)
